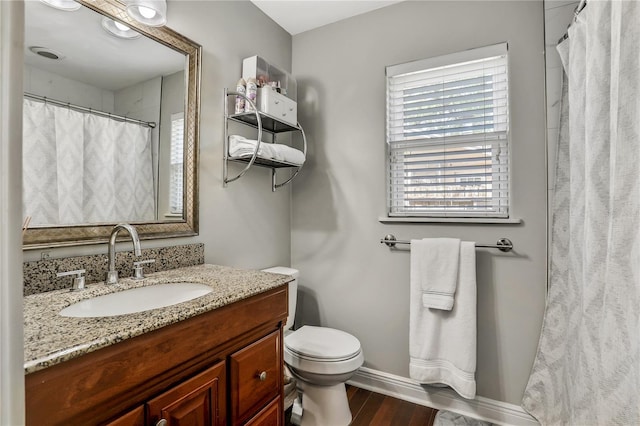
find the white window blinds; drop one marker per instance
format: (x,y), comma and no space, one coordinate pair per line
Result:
(176,164)
(447,135)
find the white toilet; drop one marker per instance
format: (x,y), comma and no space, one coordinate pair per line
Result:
(322,359)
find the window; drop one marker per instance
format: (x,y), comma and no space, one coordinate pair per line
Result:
(176,162)
(447,136)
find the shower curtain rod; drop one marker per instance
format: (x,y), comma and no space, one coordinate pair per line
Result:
(89,110)
(576,12)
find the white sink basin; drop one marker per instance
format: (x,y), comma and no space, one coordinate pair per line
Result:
(136,300)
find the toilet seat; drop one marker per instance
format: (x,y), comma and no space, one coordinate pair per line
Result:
(322,350)
(322,343)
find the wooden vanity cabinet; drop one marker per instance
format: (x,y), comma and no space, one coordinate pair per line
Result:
(221,367)
(271,415)
(134,417)
(199,401)
(255,377)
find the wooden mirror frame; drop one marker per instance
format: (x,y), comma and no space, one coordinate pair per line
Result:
(60,236)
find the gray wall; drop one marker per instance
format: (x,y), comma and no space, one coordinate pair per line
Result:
(245,224)
(11,338)
(44,83)
(348,279)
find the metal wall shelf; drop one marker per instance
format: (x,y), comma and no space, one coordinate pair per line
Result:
(263,162)
(269,123)
(263,123)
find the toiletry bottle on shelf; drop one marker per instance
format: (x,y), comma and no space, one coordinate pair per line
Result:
(240,103)
(252,92)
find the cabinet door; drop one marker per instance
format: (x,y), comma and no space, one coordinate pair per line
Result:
(256,377)
(199,401)
(271,415)
(134,417)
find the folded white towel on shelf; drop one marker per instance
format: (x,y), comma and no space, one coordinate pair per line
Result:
(434,263)
(287,153)
(241,147)
(442,344)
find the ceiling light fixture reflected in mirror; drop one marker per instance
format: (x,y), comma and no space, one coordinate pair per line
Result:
(118,29)
(148,12)
(67,5)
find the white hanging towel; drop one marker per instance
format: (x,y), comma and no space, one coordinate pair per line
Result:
(436,262)
(442,344)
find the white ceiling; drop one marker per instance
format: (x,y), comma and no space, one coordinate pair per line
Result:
(297,16)
(90,54)
(97,58)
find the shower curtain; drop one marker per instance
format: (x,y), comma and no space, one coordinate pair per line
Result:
(587,369)
(83,168)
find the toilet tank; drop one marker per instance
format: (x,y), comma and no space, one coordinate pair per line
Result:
(293,291)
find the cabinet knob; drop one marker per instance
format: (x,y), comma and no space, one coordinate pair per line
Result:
(262,376)
(162,422)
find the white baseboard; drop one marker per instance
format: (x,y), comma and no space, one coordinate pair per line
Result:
(481,408)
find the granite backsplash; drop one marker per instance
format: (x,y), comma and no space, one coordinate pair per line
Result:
(40,276)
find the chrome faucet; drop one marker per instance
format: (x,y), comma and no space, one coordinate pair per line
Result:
(112,274)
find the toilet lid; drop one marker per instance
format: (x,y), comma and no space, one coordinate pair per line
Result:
(322,343)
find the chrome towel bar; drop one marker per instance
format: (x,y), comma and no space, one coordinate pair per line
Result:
(503,244)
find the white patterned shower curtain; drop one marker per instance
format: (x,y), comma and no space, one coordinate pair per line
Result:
(82,168)
(587,369)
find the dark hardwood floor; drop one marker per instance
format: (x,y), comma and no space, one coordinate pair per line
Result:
(373,409)
(369,408)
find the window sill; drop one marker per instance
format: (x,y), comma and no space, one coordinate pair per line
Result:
(488,220)
(173,215)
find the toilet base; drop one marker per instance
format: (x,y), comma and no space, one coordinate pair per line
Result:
(324,405)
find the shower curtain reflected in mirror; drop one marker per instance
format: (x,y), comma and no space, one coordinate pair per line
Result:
(587,369)
(83,168)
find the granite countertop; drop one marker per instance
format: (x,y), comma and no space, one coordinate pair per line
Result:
(50,339)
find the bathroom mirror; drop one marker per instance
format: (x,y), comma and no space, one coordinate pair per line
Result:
(120,113)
